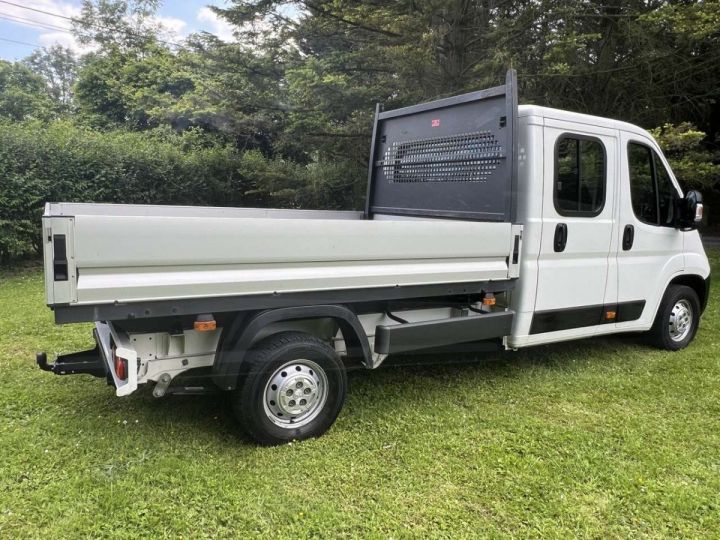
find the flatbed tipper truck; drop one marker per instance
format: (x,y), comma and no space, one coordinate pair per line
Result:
(485,223)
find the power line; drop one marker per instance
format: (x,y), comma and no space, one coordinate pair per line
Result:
(94,25)
(32,23)
(34,45)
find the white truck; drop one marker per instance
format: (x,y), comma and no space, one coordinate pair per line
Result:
(485,223)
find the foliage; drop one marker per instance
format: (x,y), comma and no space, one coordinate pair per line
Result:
(131,89)
(124,24)
(607,58)
(694,165)
(58,66)
(23,94)
(588,439)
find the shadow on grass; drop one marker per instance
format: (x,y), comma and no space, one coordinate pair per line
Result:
(210,416)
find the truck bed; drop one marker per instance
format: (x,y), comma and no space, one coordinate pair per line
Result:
(124,254)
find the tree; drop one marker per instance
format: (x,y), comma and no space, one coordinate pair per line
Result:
(123,24)
(23,94)
(601,57)
(694,165)
(58,66)
(132,88)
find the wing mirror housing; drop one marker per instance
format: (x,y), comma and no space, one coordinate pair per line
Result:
(691,210)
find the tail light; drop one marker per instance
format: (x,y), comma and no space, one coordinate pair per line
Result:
(120,364)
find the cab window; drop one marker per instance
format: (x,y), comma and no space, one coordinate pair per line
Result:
(579,176)
(651,190)
(666,194)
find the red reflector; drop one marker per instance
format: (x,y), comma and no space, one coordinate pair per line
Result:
(120,366)
(435,122)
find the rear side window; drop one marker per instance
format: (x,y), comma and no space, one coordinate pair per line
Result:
(651,190)
(579,176)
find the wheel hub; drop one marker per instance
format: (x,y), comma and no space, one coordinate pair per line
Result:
(295,393)
(681,319)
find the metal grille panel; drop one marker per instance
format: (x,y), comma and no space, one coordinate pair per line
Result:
(449,158)
(466,157)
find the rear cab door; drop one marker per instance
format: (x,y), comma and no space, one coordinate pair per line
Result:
(578,231)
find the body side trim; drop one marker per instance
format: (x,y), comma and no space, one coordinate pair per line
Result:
(582,316)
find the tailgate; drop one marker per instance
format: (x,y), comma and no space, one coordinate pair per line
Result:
(59,259)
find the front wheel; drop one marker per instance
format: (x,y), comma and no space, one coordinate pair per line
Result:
(292,388)
(677,319)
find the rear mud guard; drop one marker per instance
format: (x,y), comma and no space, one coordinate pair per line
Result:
(242,332)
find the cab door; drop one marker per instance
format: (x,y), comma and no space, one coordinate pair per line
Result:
(577,231)
(650,248)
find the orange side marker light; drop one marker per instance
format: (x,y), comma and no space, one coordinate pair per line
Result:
(205,323)
(205,326)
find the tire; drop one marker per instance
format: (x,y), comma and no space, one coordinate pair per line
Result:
(289,363)
(677,319)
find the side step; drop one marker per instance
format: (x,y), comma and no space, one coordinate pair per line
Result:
(90,362)
(406,337)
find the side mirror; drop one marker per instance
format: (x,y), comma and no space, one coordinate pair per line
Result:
(691,210)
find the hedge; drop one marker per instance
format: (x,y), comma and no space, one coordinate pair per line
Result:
(65,162)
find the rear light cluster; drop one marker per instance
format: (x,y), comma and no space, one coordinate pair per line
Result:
(120,365)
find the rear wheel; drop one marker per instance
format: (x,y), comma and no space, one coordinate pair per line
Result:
(677,319)
(292,388)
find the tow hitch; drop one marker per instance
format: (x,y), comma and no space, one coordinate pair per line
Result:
(90,362)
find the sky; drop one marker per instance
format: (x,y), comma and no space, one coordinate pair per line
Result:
(22,30)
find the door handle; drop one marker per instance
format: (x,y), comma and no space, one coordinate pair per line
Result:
(561,236)
(628,237)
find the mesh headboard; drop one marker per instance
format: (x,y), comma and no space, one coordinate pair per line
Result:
(449,158)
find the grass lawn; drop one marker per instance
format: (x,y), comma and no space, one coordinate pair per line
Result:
(601,438)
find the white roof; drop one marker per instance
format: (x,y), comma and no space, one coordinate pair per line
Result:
(579,118)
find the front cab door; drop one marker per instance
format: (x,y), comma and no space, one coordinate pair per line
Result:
(650,248)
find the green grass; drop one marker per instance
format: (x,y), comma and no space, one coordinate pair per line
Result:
(601,438)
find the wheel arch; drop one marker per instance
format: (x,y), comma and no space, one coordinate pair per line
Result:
(697,283)
(240,335)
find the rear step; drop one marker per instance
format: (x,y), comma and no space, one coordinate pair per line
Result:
(90,362)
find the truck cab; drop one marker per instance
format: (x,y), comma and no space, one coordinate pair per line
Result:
(602,236)
(487,225)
